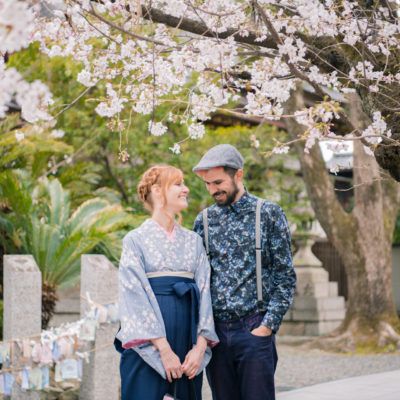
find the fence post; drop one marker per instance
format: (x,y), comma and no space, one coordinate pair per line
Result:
(22,293)
(100,380)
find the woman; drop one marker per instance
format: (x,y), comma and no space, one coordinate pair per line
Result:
(165,305)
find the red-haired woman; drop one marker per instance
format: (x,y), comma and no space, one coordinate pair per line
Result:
(165,305)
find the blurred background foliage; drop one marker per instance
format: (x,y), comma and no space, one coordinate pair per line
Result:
(85,166)
(85,160)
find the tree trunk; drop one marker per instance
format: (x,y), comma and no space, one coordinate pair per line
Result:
(49,300)
(363,237)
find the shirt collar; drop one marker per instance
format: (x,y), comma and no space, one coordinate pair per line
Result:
(243,204)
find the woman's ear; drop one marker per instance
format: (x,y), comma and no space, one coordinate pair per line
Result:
(156,194)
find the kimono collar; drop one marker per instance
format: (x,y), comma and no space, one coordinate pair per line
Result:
(170,235)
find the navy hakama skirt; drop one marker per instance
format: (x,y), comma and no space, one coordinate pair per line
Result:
(178,299)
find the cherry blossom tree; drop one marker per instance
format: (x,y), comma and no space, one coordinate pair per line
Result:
(213,53)
(245,58)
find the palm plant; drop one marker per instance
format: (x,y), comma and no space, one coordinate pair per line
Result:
(40,222)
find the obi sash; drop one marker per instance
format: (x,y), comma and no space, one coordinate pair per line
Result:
(180,286)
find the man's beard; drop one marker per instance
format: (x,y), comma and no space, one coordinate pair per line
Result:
(230,197)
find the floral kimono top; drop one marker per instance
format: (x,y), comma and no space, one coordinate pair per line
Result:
(150,249)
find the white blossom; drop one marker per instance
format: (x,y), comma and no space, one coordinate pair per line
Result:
(176,149)
(19,136)
(34,99)
(157,128)
(280,150)
(85,77)
(377,129)
(16,24)
(57,133)
(200,74)
(196,131)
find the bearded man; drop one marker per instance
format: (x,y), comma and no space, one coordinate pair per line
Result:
(252,280)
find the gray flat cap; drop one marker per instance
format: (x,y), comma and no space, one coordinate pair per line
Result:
(222,155)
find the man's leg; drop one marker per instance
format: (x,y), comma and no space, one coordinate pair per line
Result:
(221,374)
(256,363)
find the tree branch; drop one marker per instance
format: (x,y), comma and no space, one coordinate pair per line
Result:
(334,220)
(199,28)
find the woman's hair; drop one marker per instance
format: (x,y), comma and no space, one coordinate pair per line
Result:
(164,176)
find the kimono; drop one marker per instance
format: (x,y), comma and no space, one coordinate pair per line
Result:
(164,291)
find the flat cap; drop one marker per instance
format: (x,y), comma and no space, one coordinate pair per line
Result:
(222,155)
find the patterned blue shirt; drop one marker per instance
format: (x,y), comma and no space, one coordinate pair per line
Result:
(233,260)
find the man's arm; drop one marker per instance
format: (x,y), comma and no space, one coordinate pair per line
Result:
(283,274)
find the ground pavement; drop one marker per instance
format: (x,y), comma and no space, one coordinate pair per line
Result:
(382,386)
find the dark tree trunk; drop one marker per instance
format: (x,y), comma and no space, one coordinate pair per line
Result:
(49,300)
(363,237)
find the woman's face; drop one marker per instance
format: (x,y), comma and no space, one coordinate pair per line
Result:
(177,197)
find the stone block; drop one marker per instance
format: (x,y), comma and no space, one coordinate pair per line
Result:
(333,289)
(318,315)
(99,278)
(300,328)
(313,289)
(101,380)
(22,293)
(322,303)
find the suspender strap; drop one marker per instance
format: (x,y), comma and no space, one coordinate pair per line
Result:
(205,225)
(258,251)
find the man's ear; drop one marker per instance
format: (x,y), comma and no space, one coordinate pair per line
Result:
(239,175)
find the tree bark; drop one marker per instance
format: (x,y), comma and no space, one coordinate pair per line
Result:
(363,237)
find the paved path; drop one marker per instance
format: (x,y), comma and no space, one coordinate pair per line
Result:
(385,385)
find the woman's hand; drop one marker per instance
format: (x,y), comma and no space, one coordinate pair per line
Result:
(170,361)
(194,358)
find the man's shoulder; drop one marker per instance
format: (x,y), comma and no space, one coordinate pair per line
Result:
(270,206)
(271,211)
(267,205)
(212,209)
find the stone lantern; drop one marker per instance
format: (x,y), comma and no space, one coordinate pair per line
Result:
(317,309)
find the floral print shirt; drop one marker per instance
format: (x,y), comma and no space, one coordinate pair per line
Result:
(233,260)
(146,249)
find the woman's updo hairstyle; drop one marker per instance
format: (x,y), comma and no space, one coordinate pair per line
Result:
(162,175)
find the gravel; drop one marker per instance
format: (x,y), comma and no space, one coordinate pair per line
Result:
(298,367)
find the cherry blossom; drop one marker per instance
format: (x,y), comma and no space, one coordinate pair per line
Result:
(200,57)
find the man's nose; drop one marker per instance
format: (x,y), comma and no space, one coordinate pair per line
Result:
(212,188)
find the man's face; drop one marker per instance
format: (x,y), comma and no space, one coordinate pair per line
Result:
(220,185)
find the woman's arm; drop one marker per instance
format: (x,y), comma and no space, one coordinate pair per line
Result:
(206,335)
(169,359)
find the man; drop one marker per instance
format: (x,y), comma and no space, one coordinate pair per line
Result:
(244,363)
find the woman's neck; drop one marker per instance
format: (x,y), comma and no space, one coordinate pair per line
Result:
(166,220)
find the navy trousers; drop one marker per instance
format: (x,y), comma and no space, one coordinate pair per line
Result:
(242,366)
(139,381)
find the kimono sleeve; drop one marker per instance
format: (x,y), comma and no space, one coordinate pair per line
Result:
(202,278)
(140,315)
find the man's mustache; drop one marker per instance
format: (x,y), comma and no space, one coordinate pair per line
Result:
(218,193)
